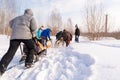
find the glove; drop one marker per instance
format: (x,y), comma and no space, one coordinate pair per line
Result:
(34,38)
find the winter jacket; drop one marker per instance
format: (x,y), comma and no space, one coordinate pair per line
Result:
(46,33)
(23,26)
(38,33)
(67,36)
(77,32)
(58,35)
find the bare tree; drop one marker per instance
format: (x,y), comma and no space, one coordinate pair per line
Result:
(55,21)
(7,10)
(69,25)
(94,17)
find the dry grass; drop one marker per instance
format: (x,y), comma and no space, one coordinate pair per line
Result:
(98,36)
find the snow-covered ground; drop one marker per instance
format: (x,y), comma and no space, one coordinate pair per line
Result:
(86,60)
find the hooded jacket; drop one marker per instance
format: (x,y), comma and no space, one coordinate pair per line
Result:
(23,27)
(38,33)
(67,36)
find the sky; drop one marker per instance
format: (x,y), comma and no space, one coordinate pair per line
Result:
(86,60)
(73,9)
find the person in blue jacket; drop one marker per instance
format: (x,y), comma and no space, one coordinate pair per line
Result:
(45,36)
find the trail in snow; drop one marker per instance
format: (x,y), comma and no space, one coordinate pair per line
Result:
(106,55)
(59,64)
(87,60)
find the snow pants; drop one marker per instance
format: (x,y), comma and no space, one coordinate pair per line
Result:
(14,44)
(76,38)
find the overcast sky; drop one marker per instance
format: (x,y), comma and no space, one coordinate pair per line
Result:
(73,9)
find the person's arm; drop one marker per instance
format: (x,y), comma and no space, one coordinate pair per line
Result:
(33,26)
(49,35)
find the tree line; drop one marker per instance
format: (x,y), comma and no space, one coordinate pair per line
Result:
(95,21)
(8,10)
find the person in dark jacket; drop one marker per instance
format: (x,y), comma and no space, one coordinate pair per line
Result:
(37,49)
(77,33)
(58,35)
(59,39)
(23,28)
(67,37)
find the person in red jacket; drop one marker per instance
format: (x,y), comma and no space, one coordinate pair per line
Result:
(67,37)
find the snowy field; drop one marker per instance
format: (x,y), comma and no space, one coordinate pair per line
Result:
(86,60)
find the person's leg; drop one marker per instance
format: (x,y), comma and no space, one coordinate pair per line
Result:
(77,38)
(37,50)
(14,44)
(67,42)
(24,53)
(31,51)
(44,43)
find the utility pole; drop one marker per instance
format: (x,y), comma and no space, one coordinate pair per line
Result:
(106,23)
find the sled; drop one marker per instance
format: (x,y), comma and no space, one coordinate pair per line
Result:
(49,44)
(41,49)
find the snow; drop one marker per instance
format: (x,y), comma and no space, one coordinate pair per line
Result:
(86,60)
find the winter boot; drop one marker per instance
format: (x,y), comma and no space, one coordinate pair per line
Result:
(28,65)
(2,70)
(1,73)
(36,58)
